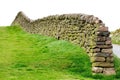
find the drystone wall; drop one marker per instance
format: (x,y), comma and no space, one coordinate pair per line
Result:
(84,30)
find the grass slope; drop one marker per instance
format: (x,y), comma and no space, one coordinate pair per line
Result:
(26,56)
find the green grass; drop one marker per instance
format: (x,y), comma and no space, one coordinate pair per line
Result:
(115,41)
(25,56)
(116,36)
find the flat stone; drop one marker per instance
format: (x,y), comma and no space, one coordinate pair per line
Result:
(95,18)
(103,28)
(109,71)
(97,69)
(103,38)
(104,46)
(98,21)
(101,55)
(97,59)
(108,42)
(108,38)
(100,38)
(96,50)
(107,51)
(103,64)
(106,33)
(109,59)
(100,43)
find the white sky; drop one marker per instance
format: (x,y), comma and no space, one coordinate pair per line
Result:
(106,10)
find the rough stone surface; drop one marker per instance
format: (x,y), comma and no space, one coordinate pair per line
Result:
(84,30)
(108,38)
(97,59)
(107,51)
(101,55)
(106,33)
(103,64)
(99,38)
(103,28)
(104,46)
(109,71)
(108,42)
(97,69)
(95,50)
(100,43)
(109,59)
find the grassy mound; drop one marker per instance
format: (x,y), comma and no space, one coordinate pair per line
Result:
(25,56)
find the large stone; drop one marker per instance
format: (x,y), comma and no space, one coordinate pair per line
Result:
(103,64)
(100,43)
(96,50)
(106,33)
(107,51)
(109,71)
(108,42)
(108,38)
(101,55)
(109,59)
(97,59)
(102,28)
(97,69)
(111,55)
(104,46)
(98,21)
(100,38)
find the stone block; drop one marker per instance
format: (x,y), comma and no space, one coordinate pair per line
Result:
(97,59)
(103,28)
(97,69)
(108,38)
(109,59)
(108,42)
(107,51)
(104,46)
(109,71)
(103,64)
(100,43)
(96,50)
(111,55)
(101,54)
(106,33)
(98,21)
(99,38)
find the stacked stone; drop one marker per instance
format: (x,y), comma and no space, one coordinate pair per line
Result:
(84,30)
(102,57)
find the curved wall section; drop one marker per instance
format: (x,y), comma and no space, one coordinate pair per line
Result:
(84,30)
